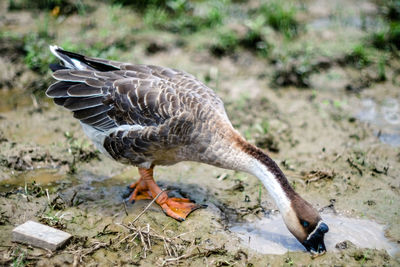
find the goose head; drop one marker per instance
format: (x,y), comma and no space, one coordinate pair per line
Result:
(302,220)
(305,223)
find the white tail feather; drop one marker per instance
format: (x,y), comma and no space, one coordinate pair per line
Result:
(68,62)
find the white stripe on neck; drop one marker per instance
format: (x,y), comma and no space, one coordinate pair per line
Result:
(270,182)
(315,229)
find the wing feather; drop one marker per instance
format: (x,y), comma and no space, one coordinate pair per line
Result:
(78,103)
(90,112)
(59,89)
(163,103)
(82,89)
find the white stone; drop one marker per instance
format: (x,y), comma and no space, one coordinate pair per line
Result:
(39,235)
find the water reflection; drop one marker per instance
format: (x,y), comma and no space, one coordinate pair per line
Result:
(270,235)
(384,117)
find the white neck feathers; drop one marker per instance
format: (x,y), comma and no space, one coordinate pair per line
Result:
(243,156)
(271,184)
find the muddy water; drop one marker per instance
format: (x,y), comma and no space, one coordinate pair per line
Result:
(114,189)
(270,235)
(41,176)
(384,116)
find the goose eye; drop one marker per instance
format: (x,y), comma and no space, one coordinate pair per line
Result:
(304,223)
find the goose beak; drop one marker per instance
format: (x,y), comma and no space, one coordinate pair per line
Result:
(315,241)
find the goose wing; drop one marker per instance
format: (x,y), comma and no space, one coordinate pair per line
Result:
(141,109)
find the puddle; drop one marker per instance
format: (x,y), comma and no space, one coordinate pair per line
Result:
(13,99)
(52,178)
(384,117)
(89,185)
(270,235)
(45,177)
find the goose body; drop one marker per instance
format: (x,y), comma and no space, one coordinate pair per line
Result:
(146,115)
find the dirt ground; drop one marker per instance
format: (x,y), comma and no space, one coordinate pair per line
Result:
(323,138)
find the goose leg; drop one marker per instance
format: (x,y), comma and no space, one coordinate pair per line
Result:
(146,188)
(140,191)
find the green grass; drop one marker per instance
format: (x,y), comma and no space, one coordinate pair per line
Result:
(378,39)
(19,258)
(64,7)
(254,30)
(190,22)
(393,36)
(359,56)
(179,16)
(142,5)
(155,17)
(226,43)
(388,38)
(391,9)
(254,40)
(381,69)
(38,56)
(281,16)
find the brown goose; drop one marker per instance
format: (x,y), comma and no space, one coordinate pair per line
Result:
(147,115)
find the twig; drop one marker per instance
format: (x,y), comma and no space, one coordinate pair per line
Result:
(190,254)
(337,157)
(71,202)
(34,101)
(126,212)
(146,234)
(317,175)
(148,206)
(352,164)
(80,254)
(48,197)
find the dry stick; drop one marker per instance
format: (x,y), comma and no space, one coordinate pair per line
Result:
(34,101)
(80,254)
(48,196)
(137,218)
(71,202)
(167,248)
(147,245)
(126,211)
(148,206)
(144,243)
(146,235)
(184,256)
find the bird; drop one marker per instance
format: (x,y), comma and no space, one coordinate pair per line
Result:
(147,116)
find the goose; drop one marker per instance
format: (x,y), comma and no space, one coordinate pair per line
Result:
(146,115)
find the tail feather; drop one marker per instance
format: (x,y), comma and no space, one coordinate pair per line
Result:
(80,62)
(80,90)
(74,62)
(56,66)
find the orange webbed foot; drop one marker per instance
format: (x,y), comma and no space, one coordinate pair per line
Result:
(140,191)
(179,208)
(146,188)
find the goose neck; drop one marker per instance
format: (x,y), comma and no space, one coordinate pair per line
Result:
(268,172)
